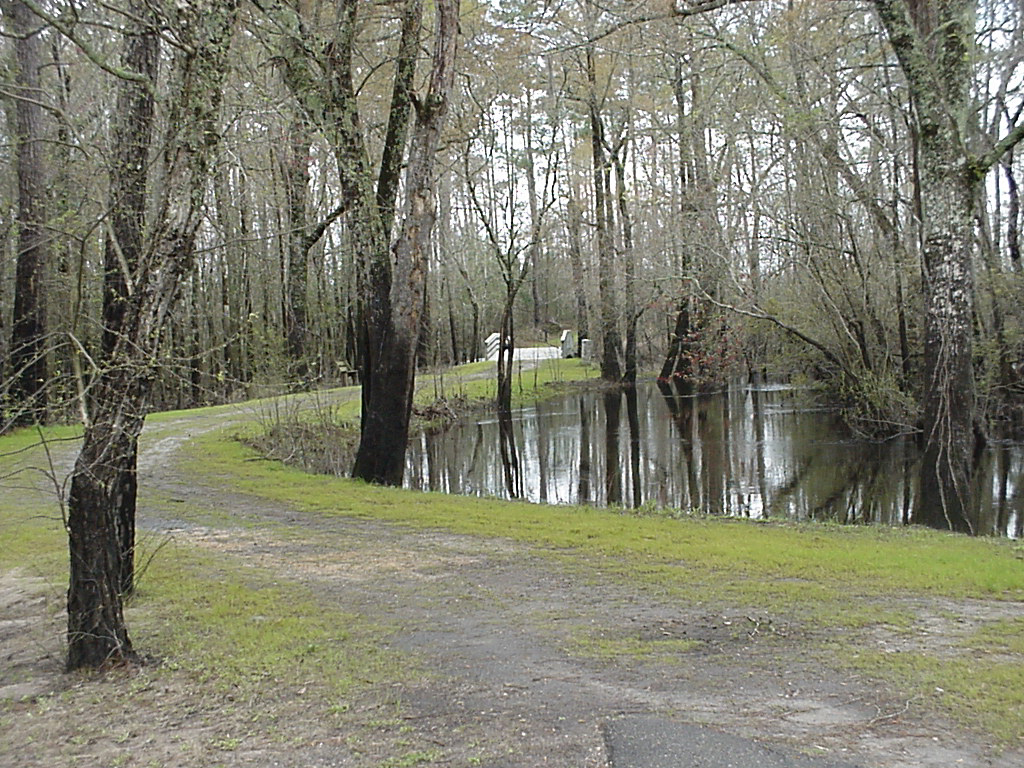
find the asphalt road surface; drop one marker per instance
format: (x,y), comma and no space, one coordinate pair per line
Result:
(653,742)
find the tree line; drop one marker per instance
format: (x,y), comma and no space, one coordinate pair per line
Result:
(209,200)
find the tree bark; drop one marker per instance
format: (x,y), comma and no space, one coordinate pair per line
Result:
(931,41)
(129,172)
(579,276)
(402,96)
(296,184)
(629,268)
(1012,214)
(611,370)
(392,365)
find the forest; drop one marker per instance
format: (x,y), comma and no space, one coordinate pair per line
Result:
(205,201)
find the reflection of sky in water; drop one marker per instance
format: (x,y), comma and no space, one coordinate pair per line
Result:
(750,453)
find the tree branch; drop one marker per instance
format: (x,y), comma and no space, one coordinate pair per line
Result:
(318,231)
(681,9)
(1004,145)
(761,315)
(68,30)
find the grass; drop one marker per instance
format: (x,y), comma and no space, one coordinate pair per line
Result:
(209,615)
(239,628)
(224,622)
(983,694)
(671,650)
(836,582)
(1004,636)
(476,381)
(728,557)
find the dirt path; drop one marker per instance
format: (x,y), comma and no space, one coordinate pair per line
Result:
(512,643)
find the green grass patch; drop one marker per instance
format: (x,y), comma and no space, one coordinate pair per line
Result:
(34,438)
(31,521)
(34,540)
(1005,636)
(237,628)
(784,564)
(982,694)
(476,382)
(667,649)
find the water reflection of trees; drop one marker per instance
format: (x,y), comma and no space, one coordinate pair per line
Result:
(750,452)
(509,452)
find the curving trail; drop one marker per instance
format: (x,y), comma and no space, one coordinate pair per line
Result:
(496,625)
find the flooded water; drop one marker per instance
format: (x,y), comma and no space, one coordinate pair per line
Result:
(750,452)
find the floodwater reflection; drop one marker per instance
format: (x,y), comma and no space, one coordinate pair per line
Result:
(750,452)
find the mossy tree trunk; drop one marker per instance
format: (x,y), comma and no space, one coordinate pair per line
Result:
(390,280)
(611,345)
(933,41)
(387,409)
(129,171)
(97,634)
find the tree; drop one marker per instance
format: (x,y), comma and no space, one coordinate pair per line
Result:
(390,278)
(97,633)
(611,370)
(385,432)
(29,369)
(932,40)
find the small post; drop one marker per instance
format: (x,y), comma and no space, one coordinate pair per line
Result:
(491,344)
(568,345)
(586,350)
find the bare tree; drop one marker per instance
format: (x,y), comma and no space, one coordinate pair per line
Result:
(129,172)
(97,633)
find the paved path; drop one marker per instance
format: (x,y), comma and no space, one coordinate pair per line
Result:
(536,353)
(656,742)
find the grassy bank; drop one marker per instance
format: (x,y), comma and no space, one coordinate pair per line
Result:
(839,588)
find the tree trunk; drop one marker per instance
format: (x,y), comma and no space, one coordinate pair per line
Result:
(29,373)
(947,193)
(632,316)
(1012,214)
(129,171)
(610,368)
(398,115)
(677,361)
(104,469)
(104,475)
(387,408)
(387,332)
(931,41)
(296,184)
(579,276)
